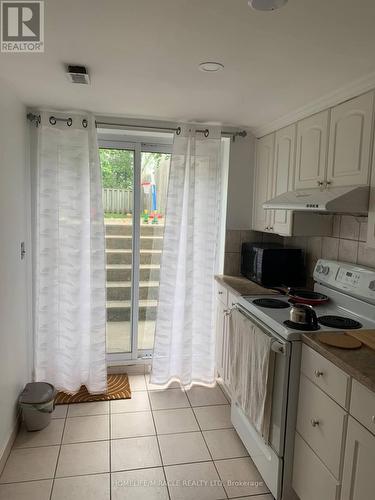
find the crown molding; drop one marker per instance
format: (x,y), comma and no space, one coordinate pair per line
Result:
(340,95)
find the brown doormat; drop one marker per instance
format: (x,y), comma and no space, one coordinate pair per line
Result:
(118,388)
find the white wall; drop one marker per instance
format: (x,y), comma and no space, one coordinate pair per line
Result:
(240,183)
(15,327)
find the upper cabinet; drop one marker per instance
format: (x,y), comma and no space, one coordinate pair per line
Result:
(329,149)
(350,142)
(312,142)
(263,181)
(283,176)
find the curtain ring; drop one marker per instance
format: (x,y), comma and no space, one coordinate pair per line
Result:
(178,130)
(52,120)
(69,122)
(84,123)
(206,132)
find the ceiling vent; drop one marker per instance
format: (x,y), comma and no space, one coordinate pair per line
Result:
(78,74)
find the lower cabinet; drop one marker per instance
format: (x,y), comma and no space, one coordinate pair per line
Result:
(334,454)
(311,479)
(222,339)
(359,473)
(224,302)
(220,333)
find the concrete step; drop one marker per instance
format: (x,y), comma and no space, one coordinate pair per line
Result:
(115,256)
(118,229)
(117,290)
(123,272)
(119,310)
(119,336)
(126,242)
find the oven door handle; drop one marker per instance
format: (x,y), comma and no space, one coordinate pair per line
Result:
(278,346)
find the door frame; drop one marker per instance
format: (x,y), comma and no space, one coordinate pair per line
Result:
(140,146)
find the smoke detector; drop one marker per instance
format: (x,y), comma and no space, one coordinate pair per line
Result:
(77,74)
(266,4)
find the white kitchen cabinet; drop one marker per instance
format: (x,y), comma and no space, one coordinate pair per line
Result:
(263,182)
(225,301)
(221,324)
(283,177)
(311,479)
(350,142)
(321,423)
(334,453)
(362,405)
(311,157)
(358,478)
(274,174)
(326,375)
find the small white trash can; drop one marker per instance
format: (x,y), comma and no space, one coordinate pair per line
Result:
(37,401)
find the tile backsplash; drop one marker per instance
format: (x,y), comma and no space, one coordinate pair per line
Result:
(233,241)
(347,244)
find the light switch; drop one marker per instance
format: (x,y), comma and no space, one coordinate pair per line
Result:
(23,251)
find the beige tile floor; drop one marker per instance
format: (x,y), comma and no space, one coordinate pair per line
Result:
(159,445)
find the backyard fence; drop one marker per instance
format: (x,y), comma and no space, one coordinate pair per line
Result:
(117,201)
(120,201)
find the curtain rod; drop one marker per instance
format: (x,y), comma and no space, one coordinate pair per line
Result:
(177,130)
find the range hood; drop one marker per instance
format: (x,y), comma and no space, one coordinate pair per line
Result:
(345,199)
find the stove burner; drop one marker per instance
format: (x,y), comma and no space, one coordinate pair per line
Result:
(271,303)
(298,326)
(339,322)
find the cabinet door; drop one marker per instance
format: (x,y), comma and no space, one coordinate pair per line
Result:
(311,160)
(220,326)
(226,360)
(350,142)
(322,424)
(283,173)
(311,479)
(358,477)
(263,181)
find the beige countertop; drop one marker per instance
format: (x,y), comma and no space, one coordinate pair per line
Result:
(242,286)
(358,363)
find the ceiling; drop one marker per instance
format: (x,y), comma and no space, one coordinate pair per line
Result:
(143,57)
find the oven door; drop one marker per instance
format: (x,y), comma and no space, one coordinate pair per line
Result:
(268,457)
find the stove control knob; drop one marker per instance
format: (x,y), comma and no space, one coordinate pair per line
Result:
(372,285)
(325,270)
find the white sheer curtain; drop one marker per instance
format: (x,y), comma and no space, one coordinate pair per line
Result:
(185,338)
(69,271)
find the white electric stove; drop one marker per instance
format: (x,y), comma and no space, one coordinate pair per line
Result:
(351,305)
(351,290)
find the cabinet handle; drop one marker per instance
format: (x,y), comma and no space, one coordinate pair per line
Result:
(314,422)
(373,419)
(318,373)
(220,293)
(328,183)
(320,183)
(271,228)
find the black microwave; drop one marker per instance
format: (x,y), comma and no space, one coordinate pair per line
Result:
(272,265)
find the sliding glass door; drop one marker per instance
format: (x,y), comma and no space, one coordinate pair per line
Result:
(135,181)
